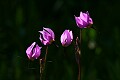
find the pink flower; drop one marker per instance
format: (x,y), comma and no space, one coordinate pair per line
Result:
(47,36)
(66,38)
(33,51)
(84,20)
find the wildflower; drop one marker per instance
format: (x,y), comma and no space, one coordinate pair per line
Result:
(84,20)
(47,36)
(33,51)
(66,38)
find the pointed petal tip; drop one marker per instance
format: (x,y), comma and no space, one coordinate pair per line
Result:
(40,31)
(33,43)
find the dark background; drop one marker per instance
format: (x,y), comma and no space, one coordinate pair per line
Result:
(20,21)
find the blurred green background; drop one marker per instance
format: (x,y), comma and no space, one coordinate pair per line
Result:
(20,21)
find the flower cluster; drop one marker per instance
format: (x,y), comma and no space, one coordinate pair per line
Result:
(47,36)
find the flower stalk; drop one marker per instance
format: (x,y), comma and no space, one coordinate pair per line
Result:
(41,69)
(78,54)
(79,63)
(42,64)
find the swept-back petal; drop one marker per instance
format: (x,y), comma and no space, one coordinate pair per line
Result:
(90,21)
(29,50)
(36,52)
(50,32)
(71,35)
(44,35)
(45,42)
(79,22)
(66,38)
(84,16)
(63,37)
(47,36)
(84,20)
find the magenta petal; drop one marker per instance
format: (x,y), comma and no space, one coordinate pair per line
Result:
(33,52)
(66,38)
(71,35)
(45,42)
(84,20)
(36,52)
(84,17)
(79,22)
(29,50)
(47,36)
(50,31)
(44,35)
(90,21)
(85,24)
(68,42)
(63,38)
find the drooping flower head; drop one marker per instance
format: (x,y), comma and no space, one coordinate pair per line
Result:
(84,20)
(47,36)
(66,38)
(33,51)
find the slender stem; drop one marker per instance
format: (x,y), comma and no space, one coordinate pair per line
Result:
(79,61)
(46,56)
(79,72)
(40,69)
(78,53)
(42,64)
